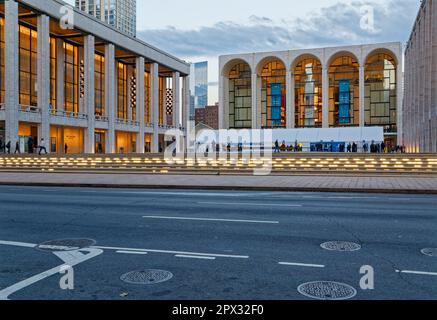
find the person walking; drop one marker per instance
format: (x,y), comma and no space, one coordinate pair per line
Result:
(42,147)
(17,148)
(276,146)
(349,148)
(30,145)
(8,147)
(2,147)
(66,148)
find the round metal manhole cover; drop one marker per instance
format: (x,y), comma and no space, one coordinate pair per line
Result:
(146,277)
(327,290)
(340,246)
(430,252)
(65,245)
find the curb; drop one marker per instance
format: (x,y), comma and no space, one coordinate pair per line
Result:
(229,188)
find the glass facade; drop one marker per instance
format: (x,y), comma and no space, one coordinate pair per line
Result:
(380,92)
(344,93)
(99,84)
(308,93)
(2,60)
(122,96)
(71,77)
(53,70)
(28,42)
(147,113)
(273,93)
(240,97)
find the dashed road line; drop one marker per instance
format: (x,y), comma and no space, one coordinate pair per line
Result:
(307,265)
(194,257)
(253,204)
(420,273)
(210,219)
(131,252)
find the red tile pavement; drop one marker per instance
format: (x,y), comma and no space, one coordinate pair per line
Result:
(334,183)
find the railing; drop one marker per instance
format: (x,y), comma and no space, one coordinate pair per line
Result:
(166,126)
(29,109)
(99,117)
(127,122)
(69,114)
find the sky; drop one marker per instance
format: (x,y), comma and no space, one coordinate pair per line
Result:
(198,30)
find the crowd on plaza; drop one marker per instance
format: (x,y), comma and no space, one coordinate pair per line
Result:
(32,147)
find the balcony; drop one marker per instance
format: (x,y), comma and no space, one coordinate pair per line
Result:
(127,122)
(69,114)
(29,109)
(101,117)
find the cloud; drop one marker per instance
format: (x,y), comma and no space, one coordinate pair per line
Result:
(338,24)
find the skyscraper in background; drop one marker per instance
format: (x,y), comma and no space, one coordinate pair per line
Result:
(198,86)
(121,14)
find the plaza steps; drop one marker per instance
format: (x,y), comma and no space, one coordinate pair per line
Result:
(282,164)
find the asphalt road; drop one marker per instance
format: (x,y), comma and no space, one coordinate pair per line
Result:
(217,245)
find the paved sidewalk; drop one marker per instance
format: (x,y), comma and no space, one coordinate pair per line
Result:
(327,183)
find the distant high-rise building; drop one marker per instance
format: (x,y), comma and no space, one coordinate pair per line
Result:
(199,86)
(121,14)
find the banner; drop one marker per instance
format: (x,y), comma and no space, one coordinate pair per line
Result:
(344,102)
(276,96)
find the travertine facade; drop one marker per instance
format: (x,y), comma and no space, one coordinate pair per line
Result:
(420,102)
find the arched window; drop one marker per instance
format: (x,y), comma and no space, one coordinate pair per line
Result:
(273,93)
(240,97)
(381,92)
(344,92)
(308,93)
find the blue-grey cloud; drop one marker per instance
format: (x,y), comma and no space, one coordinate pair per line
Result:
(338,24)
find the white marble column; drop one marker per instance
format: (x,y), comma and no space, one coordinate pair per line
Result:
(176,83)
(256,112)
(362,94)
(110,96)
(164,101)
(186,102)
(60,68)
(290,102)
(154,103)
(140,103)
(43,67)
(11,72)
(89,93)
(325,98)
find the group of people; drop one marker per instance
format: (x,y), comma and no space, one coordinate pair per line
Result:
(283,147)
(31,147)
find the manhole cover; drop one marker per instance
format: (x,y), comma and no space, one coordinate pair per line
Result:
(327,290)
(65,244)
(341,246)
(431,252)
(146,276)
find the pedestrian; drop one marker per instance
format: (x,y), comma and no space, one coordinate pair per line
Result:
(66,148)
(382,147)
(8,147)
(2,147)
(354,148)
(42,147)
(276,146)
(17,147)
(349,148)
(30,144)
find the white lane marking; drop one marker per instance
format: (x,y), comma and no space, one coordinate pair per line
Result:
(210,219)
(205,194)
(174,252)
(131,252)
(92,253)
(18,244)
(421,273)
(193,257)
(252,204)
(295,264)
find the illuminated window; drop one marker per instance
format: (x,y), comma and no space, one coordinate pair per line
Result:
(273,93)
(381,92)
(147,114)
(240,97)
(122,92)
(2,60)
(161,99)
(344,93)
(53,73)
(308,93)
(99,84)
(28,41)
(71,77)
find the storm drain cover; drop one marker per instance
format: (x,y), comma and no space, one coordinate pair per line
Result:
(341,246)
(327,290)
(65,244)
(431,252)
(146,277)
